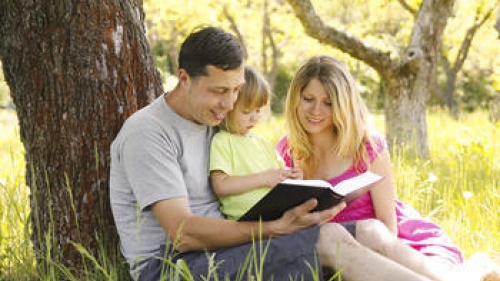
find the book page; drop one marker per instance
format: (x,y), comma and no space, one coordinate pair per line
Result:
(318,183)
(347,186)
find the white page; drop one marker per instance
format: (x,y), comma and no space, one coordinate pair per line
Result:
(347,186)
(320,183)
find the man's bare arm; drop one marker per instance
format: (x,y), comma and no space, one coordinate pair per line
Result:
(190,232)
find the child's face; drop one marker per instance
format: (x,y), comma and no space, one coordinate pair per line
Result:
(245,120)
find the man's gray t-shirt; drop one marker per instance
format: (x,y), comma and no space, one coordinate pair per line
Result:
(157,155)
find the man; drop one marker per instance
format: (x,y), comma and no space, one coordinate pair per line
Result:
(163,205)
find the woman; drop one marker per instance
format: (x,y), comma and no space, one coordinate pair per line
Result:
(330,138)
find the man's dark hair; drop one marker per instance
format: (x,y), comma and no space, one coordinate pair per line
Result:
(210,46)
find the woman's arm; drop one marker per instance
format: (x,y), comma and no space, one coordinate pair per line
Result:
(383,194)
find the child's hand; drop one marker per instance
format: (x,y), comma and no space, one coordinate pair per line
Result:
(272,177)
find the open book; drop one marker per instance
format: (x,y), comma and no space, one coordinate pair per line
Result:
(290,193)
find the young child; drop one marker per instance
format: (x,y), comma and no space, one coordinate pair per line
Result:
(244,166)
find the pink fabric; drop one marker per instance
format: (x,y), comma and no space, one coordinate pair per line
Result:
(420,233)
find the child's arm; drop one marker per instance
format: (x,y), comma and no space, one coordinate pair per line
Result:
(224,185)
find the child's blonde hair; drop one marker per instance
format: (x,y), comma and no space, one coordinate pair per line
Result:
(255,93)
(349,112)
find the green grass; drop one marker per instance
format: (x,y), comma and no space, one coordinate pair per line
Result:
(458,188)
(16,255)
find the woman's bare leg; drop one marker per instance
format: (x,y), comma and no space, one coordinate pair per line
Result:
(340,251)
(374,235)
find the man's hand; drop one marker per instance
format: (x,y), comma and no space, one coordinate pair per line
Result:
(301,217)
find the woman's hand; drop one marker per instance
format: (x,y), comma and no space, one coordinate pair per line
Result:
(295,173)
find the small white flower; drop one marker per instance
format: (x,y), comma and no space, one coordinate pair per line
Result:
(467,194)
(432,177)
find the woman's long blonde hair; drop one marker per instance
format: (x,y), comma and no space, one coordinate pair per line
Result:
(349,111)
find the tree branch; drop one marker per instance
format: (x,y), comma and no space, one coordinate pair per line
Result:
(408,8)
(469,36)
(315,28)
(235,29)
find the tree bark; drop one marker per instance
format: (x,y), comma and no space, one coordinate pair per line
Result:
(497,26)
(269,65)
(407,81)
(76,70)
(449,89)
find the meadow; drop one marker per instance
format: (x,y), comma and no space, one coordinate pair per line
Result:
(458,187)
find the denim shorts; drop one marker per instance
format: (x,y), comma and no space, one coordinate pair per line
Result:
(289,257)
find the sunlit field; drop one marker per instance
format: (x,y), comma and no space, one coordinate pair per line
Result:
(16,255)
(457,188)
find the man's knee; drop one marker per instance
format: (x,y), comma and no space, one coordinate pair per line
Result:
(373,234)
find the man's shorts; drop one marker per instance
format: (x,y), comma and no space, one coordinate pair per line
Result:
(289,257)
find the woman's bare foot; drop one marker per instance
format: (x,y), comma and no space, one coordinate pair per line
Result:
(492,276)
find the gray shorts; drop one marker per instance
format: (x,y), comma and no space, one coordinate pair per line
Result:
(290,257)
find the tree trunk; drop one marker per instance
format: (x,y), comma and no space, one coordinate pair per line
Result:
(402,107)
(269,65)
(497,26)
(452,71)
(76,70)
(415,76)
(446,94)
(449,98)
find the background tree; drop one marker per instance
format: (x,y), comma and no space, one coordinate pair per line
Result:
(453,67)
(269,61)
(407,78)
(76,70)
(497,26)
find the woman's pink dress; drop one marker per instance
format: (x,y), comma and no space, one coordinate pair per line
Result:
(420,233)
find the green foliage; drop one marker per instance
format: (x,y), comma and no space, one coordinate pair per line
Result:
(478,78)
(281,84)
(371,90)
(381,24)
(159,49)
(476,90)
